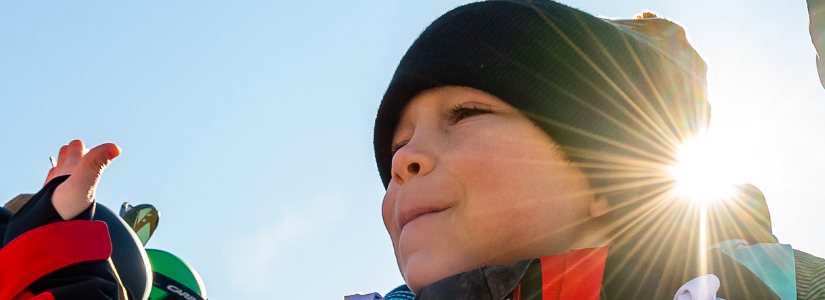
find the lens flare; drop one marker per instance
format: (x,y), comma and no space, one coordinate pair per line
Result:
(701,174)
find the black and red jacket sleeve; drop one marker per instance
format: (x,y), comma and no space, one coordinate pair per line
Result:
(44,257)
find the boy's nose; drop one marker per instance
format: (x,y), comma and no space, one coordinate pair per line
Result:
(413,168)
(411,161)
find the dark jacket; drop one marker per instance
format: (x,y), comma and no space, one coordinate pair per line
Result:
(623,278)
(44,257)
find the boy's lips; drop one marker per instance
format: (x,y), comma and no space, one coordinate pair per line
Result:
(411,214)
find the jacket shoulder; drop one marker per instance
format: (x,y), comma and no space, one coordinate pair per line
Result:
(810,276)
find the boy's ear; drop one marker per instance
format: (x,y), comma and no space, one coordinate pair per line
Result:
(598,206)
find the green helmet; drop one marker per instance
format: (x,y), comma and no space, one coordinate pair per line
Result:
(173,278)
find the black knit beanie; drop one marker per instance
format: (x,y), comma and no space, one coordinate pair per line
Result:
(618,97)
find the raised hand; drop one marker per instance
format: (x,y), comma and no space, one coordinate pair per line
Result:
(85,166)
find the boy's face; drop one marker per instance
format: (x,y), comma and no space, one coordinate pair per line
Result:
(476,183)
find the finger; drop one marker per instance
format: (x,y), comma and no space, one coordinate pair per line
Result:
(51,175)
(61,157)
(77,193)
(91,166)
(74,153)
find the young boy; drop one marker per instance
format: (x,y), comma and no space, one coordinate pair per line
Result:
(524,147)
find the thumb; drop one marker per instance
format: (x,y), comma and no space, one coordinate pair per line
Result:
(78,191)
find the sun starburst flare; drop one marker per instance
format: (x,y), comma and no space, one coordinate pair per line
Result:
(701,174)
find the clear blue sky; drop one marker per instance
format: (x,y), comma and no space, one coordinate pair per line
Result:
(249,123)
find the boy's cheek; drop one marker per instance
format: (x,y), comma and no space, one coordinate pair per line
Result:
(388,207)
(388,216)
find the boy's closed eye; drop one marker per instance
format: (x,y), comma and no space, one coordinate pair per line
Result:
(456,114)
(462,111)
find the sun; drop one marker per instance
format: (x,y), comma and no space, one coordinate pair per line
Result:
(701,173)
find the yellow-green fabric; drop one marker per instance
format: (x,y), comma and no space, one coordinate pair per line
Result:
(810,276)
